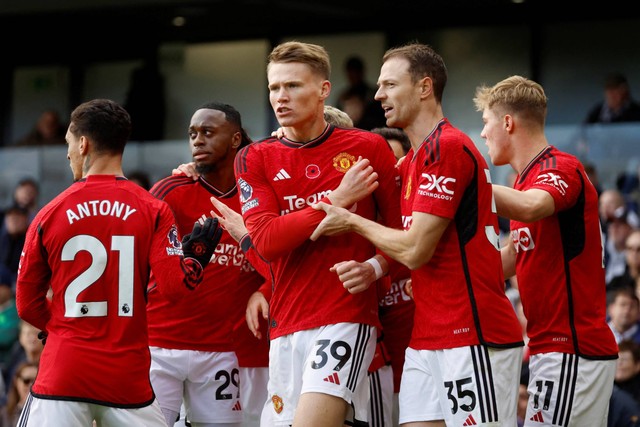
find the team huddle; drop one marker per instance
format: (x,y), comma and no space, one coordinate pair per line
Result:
(257,285)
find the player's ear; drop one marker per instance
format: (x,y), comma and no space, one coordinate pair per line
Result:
(326,89)
(83,145)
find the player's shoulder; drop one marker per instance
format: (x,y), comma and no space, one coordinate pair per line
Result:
(167,185)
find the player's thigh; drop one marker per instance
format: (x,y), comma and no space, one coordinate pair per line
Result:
(167,373)
(253,393)
(212,389)
(148,416)
(54,413)
(337,364)
(565,389)
(473,385)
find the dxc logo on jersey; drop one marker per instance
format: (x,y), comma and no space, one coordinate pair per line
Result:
(553,179)
(522,239)
(437,183)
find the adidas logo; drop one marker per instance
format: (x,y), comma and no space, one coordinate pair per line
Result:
(470,421)
(537,417)
(237,406)
(282,174)
(333,378)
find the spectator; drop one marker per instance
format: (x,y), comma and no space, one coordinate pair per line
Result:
(24,376)
(624,410)
(623,313)
(93,246)
(631,276)
(9,320)
(618,230)
(618,104)
(12,236)
(49,130)
(28,348)
(628,368)
(26,194)
(555,251)
(357,100)
(461,310)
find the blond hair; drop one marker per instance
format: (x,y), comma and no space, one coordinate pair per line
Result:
(337,117)
(515,95)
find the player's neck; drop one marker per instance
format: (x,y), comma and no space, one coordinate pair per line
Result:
(103,165)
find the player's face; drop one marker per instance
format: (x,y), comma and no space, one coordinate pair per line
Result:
(495,134)
(399,95)
(213,140)
(74,156)
(296,94)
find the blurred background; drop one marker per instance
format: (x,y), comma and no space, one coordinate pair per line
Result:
(163,58)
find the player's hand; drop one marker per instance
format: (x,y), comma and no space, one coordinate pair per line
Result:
(357,183)
(336,221)
(279,133)
(355,276)
(202,241)
(408,288)
(188,169)
(257,307)
(229,219)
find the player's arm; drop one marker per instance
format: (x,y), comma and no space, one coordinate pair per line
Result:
(413,247)
(33,281)
(524,206)
(275,235)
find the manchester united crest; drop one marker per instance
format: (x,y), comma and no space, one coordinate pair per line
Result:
(343,161)
(407,191)
(278,405)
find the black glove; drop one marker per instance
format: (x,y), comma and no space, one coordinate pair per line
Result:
(202,241)
(42,336)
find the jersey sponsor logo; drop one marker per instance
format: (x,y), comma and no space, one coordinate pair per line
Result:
(436,186)
(522,239)
(228,254)
(396,294)
(278,404)
(295,202)
(312,171)
(175,245)
(282,174)
(553,180)
(100,208)
(343,161)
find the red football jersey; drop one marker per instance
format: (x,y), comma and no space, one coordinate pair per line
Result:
(559,262)
(459,293)
(278,180)
(205,319)
(94,245)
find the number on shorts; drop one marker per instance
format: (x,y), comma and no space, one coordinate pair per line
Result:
(461,394)
(229,378)
(340,351)
(547,394)
(99,257)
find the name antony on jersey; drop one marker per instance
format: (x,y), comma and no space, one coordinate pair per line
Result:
(100,208)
